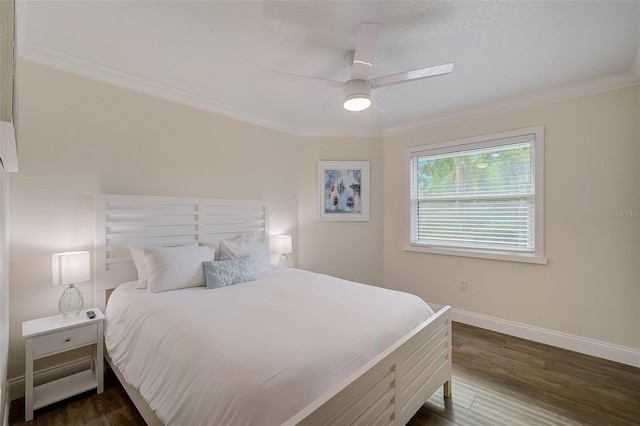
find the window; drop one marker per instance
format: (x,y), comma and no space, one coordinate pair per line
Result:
(479,197)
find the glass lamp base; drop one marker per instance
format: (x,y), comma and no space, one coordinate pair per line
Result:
(284,261)
(71,302)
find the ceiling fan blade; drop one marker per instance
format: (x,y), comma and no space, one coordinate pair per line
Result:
(328,104)
(402,77)
(308,80)
(366,46)
(380,103)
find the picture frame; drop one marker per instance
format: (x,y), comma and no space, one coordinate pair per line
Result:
(343,191)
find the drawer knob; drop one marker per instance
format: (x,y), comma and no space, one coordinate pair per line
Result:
(67,339)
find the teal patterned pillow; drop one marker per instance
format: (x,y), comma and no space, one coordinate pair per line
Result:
(228,272)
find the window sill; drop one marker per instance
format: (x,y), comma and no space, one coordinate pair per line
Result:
(481,254)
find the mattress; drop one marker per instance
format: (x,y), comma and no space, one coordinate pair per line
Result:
(251,353)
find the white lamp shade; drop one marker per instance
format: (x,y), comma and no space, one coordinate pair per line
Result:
(283,244)
(71,267)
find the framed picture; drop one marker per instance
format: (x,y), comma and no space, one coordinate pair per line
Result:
(343,190)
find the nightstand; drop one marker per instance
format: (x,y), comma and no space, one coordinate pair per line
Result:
(53,335)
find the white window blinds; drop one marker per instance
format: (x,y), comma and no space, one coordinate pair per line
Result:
(479,195)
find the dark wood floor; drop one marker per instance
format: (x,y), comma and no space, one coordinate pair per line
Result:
(503,380)
(497,380)
(112,407)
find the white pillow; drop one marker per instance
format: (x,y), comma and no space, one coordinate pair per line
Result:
(258,249)
(172,268)
(138,260)
(213,245)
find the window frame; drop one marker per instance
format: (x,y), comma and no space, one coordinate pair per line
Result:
(484,141)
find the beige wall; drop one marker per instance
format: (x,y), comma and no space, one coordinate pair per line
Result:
(591,285)
(349,250)
(80,137)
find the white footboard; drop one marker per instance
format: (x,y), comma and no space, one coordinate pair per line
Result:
(391,388)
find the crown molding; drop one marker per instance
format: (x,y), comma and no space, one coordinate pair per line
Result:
(54,59)
(571,91)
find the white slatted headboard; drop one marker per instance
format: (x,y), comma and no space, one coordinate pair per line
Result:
(121,220)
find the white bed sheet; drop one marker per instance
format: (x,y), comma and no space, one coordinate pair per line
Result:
(253,353)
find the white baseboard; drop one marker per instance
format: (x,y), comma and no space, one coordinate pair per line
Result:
(582,345)
(16,385)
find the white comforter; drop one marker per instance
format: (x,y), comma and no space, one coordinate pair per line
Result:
(252,353)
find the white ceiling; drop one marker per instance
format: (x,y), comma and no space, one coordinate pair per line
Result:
(218,55)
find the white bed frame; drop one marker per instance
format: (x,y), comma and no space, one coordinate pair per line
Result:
(388,390)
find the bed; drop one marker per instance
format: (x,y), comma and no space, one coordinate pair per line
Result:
(290,347)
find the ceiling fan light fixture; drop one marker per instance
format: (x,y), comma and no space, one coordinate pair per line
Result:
(357,102)
(357,95)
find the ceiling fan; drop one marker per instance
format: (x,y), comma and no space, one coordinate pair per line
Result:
(357,91)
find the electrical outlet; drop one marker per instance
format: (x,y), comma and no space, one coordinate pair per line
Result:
(462,284)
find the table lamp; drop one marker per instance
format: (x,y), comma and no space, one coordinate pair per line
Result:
(283,247)
(70,268)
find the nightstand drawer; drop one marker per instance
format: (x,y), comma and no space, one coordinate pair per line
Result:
(65,339)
